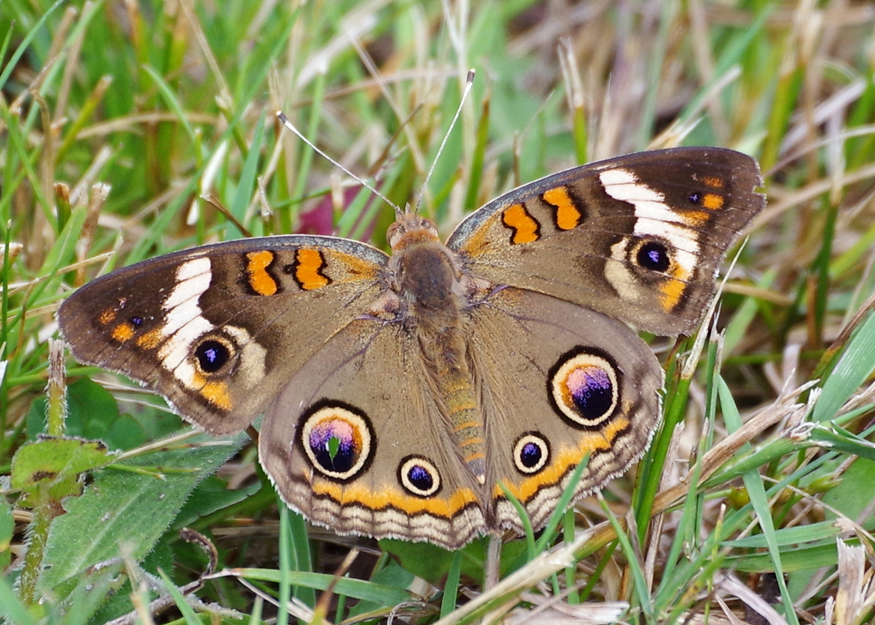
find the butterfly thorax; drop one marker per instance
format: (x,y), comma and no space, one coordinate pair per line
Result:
(426,277)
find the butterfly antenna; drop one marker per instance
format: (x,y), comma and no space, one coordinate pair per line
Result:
(468,82)
(285,121)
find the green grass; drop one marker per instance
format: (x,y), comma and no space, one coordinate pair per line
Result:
(766,486)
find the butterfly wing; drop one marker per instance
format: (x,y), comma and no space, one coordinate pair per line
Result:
(218,330)
(638,237)
(356,442)
(558,382)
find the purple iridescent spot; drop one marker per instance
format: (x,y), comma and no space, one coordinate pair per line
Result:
(591,391)
(340,455)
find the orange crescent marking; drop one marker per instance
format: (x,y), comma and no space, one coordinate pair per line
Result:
(567,214)
(307,271)
(374,500)
(524,225)
(217,394)
(214,392)
(259,279)
(672,290)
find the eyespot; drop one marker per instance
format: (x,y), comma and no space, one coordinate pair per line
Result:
(654,256)
(337,439)
(583,387)
(694,197)
(531,453)
(419,476)
(213,354)
(137,321)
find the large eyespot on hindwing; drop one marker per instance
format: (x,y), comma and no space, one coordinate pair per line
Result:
(531,452)
(337,439)
(418,476)
(584,387)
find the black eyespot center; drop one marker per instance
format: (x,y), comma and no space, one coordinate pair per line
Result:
(653,255)
(695,197)
(137,321)
(212,355)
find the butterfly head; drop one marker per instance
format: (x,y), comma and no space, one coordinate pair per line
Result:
(409,230)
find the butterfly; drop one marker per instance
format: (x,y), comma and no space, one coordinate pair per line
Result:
(402,394)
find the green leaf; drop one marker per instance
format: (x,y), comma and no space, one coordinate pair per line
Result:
(392,575)
(210,496)
(93,413)
(11,607)
(792,560)
(333,447)
(128,507)
(830,436)
(787,536)
(855,366)
(56,463)
(354,588)
(7,527)
(432,563)
(851,497)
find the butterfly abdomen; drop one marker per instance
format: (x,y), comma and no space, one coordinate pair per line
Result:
(460,400)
